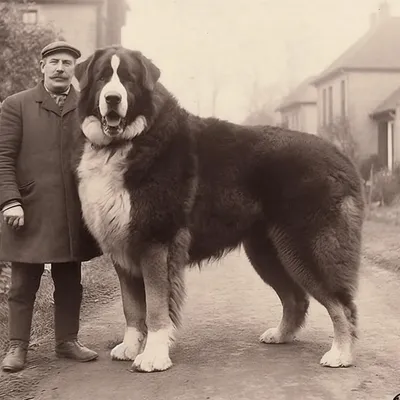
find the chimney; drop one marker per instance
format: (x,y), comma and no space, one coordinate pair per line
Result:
(382,15)
(384,11)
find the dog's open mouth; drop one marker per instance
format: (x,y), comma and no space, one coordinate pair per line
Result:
(113,123)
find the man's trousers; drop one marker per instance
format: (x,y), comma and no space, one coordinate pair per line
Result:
(25,281)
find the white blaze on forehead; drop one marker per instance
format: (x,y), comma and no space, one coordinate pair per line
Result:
(115,61)
(114,86)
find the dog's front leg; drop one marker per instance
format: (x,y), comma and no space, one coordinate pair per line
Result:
(134,304)
(155,356)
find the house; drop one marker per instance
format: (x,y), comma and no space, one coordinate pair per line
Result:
(387,118)
(357,86)
(298,109)
(88,24)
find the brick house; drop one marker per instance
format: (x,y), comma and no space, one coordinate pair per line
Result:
(88,24)
(358,87)
(298,109)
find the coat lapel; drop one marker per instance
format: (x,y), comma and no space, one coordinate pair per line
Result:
(48,103)
(46,100)
(71,101)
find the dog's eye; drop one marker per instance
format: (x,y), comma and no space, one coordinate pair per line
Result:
(125,76)
(128,80)
(104,74)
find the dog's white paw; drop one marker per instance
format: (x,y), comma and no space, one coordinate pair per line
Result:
(275,335)
(150,361)
(123,352)
(336,359)
(130,347)
(155,356)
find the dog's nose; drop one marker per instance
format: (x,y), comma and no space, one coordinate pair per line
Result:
(113,98)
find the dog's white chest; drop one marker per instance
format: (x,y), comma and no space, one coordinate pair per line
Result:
(106,204)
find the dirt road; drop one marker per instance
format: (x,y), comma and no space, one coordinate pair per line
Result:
(218,356)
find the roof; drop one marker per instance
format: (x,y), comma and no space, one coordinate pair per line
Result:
(378,49)
(389,104)
(124,2)
(304,93)
(68,1)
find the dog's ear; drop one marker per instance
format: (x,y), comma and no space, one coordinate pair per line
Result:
(81,67)
(151,73)
(82,72)
(84,68)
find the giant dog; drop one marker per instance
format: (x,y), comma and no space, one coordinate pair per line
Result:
(162,189)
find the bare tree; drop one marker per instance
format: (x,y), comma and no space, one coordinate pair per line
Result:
(214,95)
(340,132)
(263,100)
(216,89)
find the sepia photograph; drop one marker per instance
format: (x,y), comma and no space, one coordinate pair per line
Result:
(199,199)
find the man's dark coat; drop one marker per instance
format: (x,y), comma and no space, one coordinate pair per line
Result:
(35,168)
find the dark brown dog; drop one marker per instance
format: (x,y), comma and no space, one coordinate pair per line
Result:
(162,189)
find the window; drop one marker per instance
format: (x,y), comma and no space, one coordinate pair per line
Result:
(29,17)
(343,98)
(330,100)
(324,107)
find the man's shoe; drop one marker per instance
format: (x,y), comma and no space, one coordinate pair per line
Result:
(15,358)
(74,350)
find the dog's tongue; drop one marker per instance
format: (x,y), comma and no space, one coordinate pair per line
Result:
(113,121)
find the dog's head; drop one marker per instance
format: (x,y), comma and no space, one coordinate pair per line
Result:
(116,86)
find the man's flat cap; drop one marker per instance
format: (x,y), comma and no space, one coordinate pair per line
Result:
(58,46)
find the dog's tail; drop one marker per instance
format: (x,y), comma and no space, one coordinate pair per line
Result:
(177,296)
(177,261)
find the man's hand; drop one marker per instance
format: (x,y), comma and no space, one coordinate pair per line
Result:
(14,216)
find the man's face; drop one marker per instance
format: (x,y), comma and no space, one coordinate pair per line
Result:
(58,70)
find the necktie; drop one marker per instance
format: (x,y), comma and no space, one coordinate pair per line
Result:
(60,100)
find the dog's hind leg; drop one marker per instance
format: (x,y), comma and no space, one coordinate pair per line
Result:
(263,257)
(343,317)
(134,305)
(337,251)
(324,260)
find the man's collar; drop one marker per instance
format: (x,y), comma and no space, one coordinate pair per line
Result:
(45,97)
(65,91)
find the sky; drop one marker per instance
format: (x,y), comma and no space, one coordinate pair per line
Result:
(234,46)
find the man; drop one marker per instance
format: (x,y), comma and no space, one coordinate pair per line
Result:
(40,206)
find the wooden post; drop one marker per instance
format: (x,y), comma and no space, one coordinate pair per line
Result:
(390,128)
(371,186)
(396,135)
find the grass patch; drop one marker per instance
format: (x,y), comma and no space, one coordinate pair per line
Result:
(386,214)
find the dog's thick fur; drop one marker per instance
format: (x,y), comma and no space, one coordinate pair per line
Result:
(162,189)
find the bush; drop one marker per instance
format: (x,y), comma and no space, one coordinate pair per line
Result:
(386,186)
(20,46)
(366,164)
